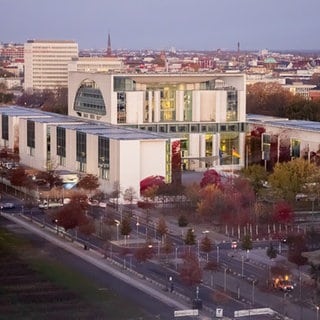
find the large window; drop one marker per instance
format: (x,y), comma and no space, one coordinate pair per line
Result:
(81,149)
(121,107)
(232,105)
(168,104)
(61,145)
(31,134)
(187,111)
(5,127)
(103,157)
(89,99)
(123,84)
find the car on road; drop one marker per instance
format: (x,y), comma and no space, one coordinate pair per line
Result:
(7,205)
(49,205)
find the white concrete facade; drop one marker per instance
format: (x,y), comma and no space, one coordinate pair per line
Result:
(188,106)
(133,155)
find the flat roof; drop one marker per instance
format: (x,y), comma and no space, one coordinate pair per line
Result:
(115,132)
(284,122)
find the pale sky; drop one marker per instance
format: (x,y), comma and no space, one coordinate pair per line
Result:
(162,24)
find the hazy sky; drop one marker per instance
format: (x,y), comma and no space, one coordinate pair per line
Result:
(162,24)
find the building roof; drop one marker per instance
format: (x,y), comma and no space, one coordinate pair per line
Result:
(115,132)
(284,122)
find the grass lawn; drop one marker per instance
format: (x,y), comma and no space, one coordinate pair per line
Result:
(34,285)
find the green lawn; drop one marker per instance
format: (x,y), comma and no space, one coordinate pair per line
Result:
(37,286)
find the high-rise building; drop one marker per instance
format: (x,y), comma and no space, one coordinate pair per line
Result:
(46,63)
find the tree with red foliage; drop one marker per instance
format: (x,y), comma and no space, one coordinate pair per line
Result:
(70,216)
(176,162)
(89,182)
(190,271)
(150,182)
(211,176)
(18,177)
(283,213)
(144,253)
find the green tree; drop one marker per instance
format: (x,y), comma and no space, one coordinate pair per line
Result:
(190,238)
(246,243)
(315,273)
(272,251)
(162,227)
(125,227)
(289,178)
(257,175)
(206,246)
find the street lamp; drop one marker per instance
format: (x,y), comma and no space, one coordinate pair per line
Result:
(242,265)
(253,283)
(137,224)
(117,224)
(56,221)
(176,258)
(317,307)
(218,255)
(225,280)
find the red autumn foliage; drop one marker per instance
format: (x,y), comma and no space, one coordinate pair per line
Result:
(210,177)
(149,182)
(283,212)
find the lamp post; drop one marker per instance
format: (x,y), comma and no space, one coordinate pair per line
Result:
(253,283)
(176,258)
(317,308)
(56,221)
(137,224)
(225,280)
(242,266)
(117,224)
(218,258)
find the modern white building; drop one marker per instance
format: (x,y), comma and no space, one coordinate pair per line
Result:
(298,138)
(205,111)
(114,154)
(96,64)
(46,63)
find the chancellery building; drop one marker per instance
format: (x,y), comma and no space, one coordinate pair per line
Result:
(126,127)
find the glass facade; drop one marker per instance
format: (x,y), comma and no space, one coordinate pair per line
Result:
(81,149)
(187,102)
(89,99)
(103,157)
(232,105)
(168,103)
(121,107)
(31,134)
(61,145)
(5,127)
(228,142)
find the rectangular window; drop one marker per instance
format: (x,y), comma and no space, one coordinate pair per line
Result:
(5,127)
(61,142)
(31,134)
(232,105)
(81,148)
(103,157)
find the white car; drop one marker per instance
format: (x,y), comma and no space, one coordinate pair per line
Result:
(50,205)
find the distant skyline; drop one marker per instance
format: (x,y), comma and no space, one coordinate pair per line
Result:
(163,24)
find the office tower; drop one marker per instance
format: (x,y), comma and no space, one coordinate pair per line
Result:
(46,63)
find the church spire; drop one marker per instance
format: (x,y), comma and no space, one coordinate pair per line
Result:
(109,52)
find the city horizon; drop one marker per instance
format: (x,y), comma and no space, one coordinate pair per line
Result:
(208,25)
